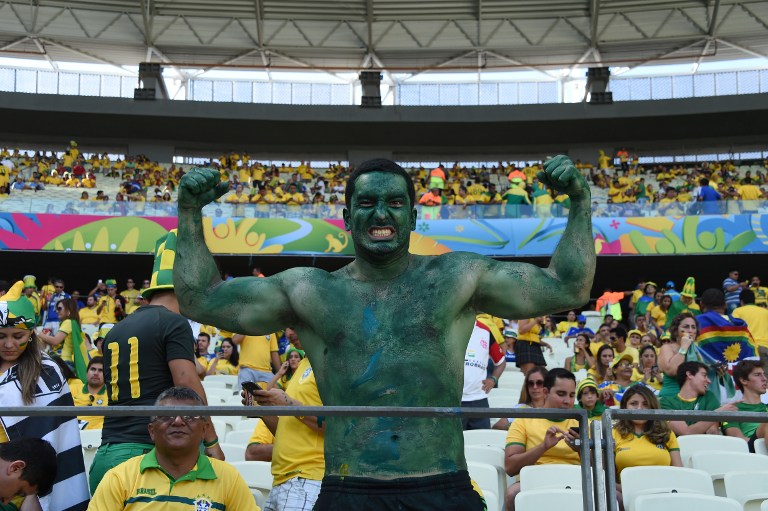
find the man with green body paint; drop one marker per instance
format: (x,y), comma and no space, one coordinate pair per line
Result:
(388,329)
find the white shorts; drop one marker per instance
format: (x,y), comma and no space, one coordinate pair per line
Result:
(296,494)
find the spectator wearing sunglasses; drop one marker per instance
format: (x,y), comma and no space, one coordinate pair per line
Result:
(174,470)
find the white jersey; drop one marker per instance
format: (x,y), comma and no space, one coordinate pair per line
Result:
(481,346)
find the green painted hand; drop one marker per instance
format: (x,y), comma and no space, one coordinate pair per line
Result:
(561,174)
(200,186)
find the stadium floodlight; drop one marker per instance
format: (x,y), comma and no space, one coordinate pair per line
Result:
(151,82)
(371,85)
(597,85)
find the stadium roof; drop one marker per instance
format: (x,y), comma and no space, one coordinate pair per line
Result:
(393,35)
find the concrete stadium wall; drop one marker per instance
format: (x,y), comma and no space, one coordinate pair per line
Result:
(160,128)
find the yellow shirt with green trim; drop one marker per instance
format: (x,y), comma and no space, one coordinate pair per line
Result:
(638,451)
(255,351)
(261,435)
(298,450)
(82,397)
(531,432)
(67,350)
(141,483)
(130,296)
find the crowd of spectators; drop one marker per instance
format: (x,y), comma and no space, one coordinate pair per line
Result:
(447,191)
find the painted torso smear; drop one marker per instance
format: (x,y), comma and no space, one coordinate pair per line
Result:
(398,342)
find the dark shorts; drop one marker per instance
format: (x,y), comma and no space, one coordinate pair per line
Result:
(443,492)
(527,352)
(475,422)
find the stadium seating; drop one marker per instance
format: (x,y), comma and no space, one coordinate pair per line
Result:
(718,463)
(550,476)
(229,380)
(485,454)
(258,477)
(233,452)
(678,501)
(489,478)
(246,424)
(748,487)
(637,481)
(240,437)
(492,437)
(760,446)
(540,500)
(690,444)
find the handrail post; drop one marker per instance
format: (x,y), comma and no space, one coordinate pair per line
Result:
(597,465)
(586,471)
(610,462)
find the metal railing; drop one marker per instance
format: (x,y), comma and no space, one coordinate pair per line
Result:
(355,411)
(606,425)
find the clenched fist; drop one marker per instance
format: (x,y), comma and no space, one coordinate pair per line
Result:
(199,187)
(561,174)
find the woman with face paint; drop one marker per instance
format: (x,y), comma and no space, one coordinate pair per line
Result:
(30,378)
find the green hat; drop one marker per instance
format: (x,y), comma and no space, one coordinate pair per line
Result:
(111,283)
(586,382)
(625,356)
(30,281)
(16,311)
(162,272)
(292,349)
(689,288)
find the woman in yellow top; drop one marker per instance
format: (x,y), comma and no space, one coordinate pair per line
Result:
(69,327)
(659,312)
(582,358)
(227,359)
(293,358)
(648,372)
(528,345)
(603,370)
(642,443)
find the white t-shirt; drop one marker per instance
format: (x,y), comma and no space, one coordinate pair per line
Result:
(481,346)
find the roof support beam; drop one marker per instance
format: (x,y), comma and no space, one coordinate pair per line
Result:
(258,11)
(594,14)
(45,53)
(744,49)
(85,54)
(713,20)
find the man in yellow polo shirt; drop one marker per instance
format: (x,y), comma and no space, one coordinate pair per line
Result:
(298,462)
(175,471)
(543,441)
(259,357)
(93,393)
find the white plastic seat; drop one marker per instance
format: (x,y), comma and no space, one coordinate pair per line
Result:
(550,476)
(690,444)
(239,437)
(492,502)
(221,427)
(718,463)
(492,437)
(230,380)
(258,477)
(233,452)
(760,446)
(502,400)
(217,397)
(764,506)
(749,488)
(488,477)
(90,438)
(686,501)
(544,500)
(213,384)
(485,454)
(637,481)
(246,424)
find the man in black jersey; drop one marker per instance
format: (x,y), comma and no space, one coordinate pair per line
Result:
(145,354)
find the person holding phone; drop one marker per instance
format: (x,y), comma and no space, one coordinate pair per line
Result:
(648,371)
(582,357)
(293,358)
(542,441)
(226,359)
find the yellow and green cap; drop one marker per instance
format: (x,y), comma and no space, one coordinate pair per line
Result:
(162,272)
(16,311)
(29,281)
(689,288)
(110,283)
(586,382)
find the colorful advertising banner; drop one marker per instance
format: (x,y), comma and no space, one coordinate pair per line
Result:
(716,234)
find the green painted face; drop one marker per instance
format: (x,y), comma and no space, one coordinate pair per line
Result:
(380,216)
